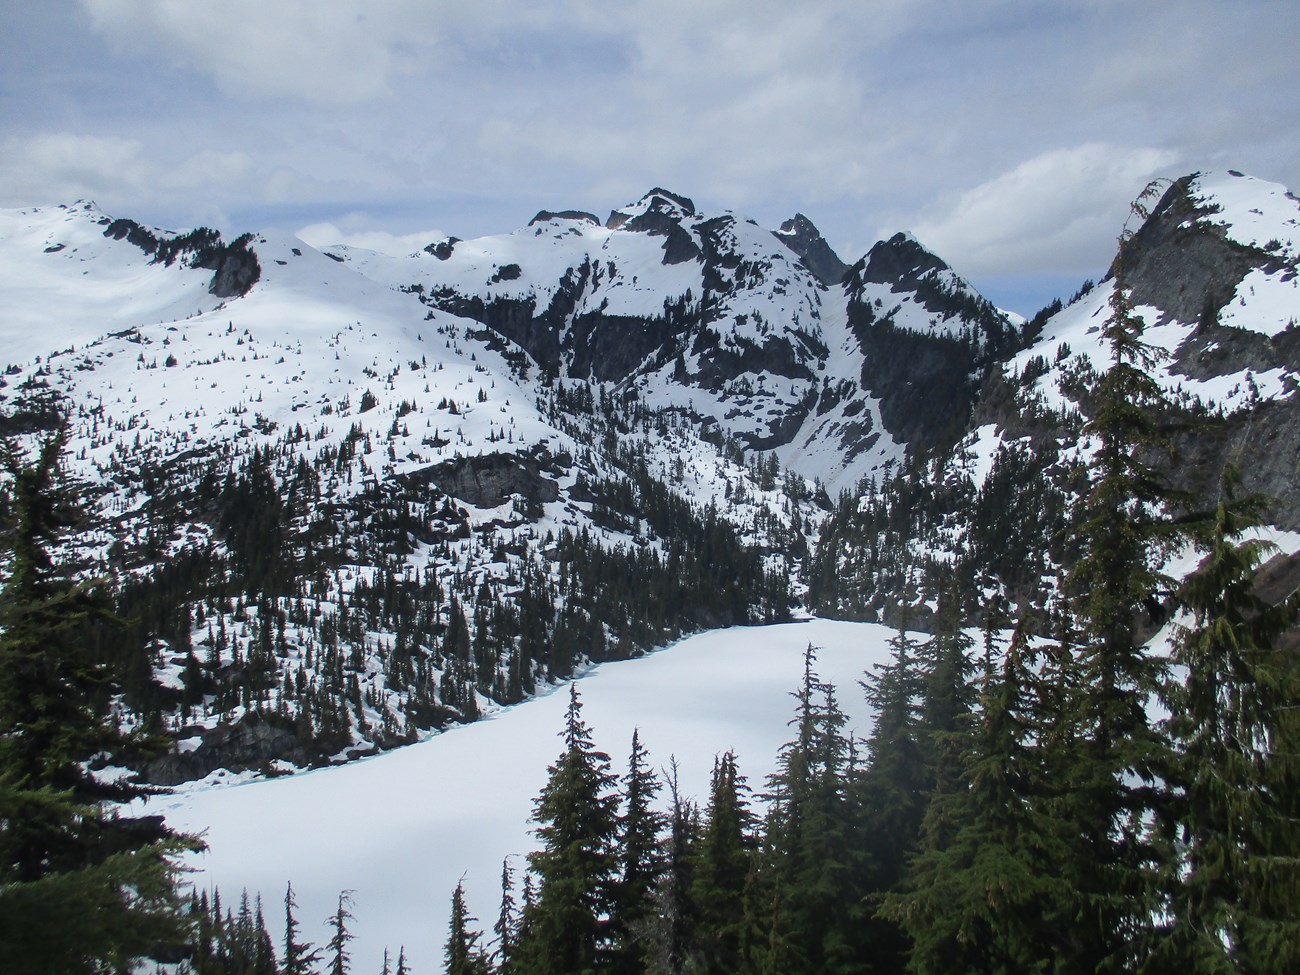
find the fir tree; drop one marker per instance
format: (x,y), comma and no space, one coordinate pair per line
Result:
(506,927)
(1116,756)
(984,894)
(891,792)
(639,866)
(576,812)
(340,961)
(1234,895)
(722,860)
(679,919)
(462,953)
(805,900)
(81,889)
(300,957)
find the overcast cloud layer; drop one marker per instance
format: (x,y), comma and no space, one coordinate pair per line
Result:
(1008,135)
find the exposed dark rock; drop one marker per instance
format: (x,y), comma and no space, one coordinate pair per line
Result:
(546,216)
(1263,442)
(507,272)
(927,384)
(236,267)
(253,742)
(235,264)
(663,211)
(680,246)
(803,238)
(488,480)
(441,249)
(1185,265)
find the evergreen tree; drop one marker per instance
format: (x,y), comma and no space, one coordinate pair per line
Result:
(723,858)
(984,895)
(340,961)
(300,957)
(678,916)
(576,812)
(640,864)
(463,955)
(806,898)
(1116,756)
(81,889)
(506,928)
(1235,895)
(891,792)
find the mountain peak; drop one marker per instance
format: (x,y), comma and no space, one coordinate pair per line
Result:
(802,236)
(577,216)
(654,210)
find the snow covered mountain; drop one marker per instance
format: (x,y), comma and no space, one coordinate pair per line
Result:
(1212,272)
(754,332)
(347,499)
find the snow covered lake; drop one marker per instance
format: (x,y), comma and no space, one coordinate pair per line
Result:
(400,829)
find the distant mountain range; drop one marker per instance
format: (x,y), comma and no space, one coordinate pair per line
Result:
(346,498)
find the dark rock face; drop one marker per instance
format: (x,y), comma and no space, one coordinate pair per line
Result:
(1184,266)
(490,479)
(441,249)
(235,264)
(253,742)
(1263,442)
(546,216)
(799,234)
(927,384)
(237,270)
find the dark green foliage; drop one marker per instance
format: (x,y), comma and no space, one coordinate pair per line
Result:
(463,954)
(984,895)
(806,900)
(640,863)
(80,888)
(575,867)
(340,961)
(299,957)
(722,859)
(1236,890)
(1114,757)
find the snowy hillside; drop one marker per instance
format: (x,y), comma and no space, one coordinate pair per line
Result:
(400,830)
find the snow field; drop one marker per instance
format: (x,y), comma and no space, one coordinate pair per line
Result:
(402,828)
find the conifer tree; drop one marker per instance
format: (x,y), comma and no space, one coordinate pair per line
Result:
(463,955)
(723,858)
(340,961)
(81,889)
(891,792)
(576,812)
(1116,756)
(1235,894)
(639,866)
(300,957)
(676,909)
(984,894)
(807,896)
(506,927)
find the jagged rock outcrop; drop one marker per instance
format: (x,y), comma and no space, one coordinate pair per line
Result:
(488,480)
(928,339)
(801,236)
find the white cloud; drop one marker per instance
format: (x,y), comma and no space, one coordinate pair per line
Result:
(58,167)
(329,53)
(1060,211)
(326,234)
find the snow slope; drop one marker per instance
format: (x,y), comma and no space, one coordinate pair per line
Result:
(402,828)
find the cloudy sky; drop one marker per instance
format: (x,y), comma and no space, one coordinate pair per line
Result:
(1008,135)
